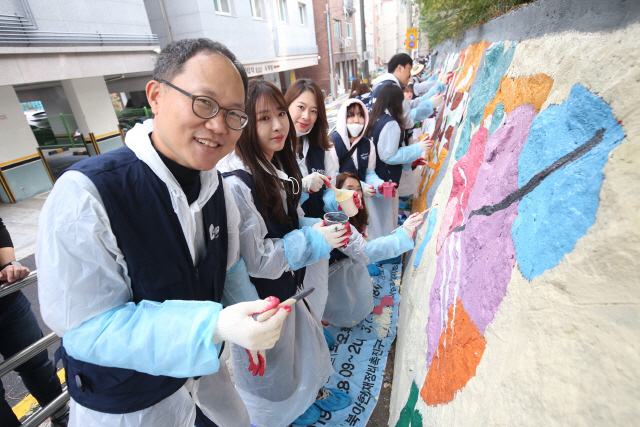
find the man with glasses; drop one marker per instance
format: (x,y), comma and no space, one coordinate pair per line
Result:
(138,247)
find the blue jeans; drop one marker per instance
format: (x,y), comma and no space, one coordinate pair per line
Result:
(19,329)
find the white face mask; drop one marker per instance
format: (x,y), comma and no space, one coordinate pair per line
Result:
(299,134)
(354,129)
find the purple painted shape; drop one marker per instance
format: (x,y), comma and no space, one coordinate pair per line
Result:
(464,174)
(487,250)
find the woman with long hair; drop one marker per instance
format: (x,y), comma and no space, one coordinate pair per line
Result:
(363,93)
(386,130)
(276,245)
(305,104)
(350,290)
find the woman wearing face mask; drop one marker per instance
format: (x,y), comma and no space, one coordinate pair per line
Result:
(350,291)
(276,246)
(306,108)
(386,130)
(352,151)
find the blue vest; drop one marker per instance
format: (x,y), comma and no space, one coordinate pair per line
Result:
(363,151)
(384,171)
(285,286)
(313,207)
(160,266)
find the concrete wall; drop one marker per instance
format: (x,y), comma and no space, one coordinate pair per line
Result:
(520,303)
(250,39)
(16,138)
(104,16)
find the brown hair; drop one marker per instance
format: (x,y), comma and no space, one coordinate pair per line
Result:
(267,184)
(362,89)
(352,109)
(354,87)
(389,98)
(318,136)
(361,219)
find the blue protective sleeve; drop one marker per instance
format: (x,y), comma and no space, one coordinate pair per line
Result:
(303,198)
(238,286)
(390,246)
(436,89)
(422,111)
(373,179)
(171,338)
(304,247)
(405,155)
(406,166)
(306,221)
(329,199)
(433,78)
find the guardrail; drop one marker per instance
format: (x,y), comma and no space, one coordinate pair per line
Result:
(19,358)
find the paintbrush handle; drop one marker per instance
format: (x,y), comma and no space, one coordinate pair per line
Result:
(267,314)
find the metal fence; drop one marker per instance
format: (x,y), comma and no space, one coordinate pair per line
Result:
(19,358)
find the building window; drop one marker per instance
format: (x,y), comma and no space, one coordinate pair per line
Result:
(222,6)
(337,28)
(256,9)
(303,13)
(282,10)
(348,30)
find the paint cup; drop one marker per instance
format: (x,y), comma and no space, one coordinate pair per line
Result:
(335,218)
(387,190)
(346,202)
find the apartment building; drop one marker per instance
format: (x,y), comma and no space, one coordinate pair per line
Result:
(340,18)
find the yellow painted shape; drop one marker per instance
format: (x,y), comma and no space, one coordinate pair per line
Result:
(30,402)
(513,92)
(30,156)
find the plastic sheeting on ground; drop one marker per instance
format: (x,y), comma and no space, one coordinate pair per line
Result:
(360,354)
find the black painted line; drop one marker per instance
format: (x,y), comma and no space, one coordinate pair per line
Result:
(541,176)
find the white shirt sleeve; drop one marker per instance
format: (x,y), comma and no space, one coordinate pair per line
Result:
(330,167)
(372,156)
(335,162)
(233,226)
(388,140)
(264,257)
(81,271)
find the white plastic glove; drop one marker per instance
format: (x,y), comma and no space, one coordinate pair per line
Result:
(425,144)
(368,191)
(336,235)
(312,183)
(236,324)
(437,100)
(412,223)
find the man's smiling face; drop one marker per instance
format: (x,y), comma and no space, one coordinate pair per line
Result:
(178,132)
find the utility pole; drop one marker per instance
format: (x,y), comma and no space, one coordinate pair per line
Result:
(333,92)
(365,65)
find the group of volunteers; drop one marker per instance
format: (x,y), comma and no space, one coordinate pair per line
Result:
(198,233)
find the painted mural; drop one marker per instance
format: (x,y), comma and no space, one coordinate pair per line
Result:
(521,160)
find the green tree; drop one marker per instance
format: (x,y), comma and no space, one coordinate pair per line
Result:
(444,19)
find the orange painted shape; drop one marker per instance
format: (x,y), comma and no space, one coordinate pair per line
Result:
(420,203)
(454,363)
(532,90)
(472,59)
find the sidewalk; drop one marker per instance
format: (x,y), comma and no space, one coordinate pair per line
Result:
(339,100)
(21,220)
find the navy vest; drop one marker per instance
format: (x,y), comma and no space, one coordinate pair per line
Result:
(384,171)
(285,286)
(363,151)
(313,207)
(160,266)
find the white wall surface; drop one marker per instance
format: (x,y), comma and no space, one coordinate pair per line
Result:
(16,138)
(91,105)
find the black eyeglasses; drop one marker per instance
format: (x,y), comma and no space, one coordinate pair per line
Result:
(206,107)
